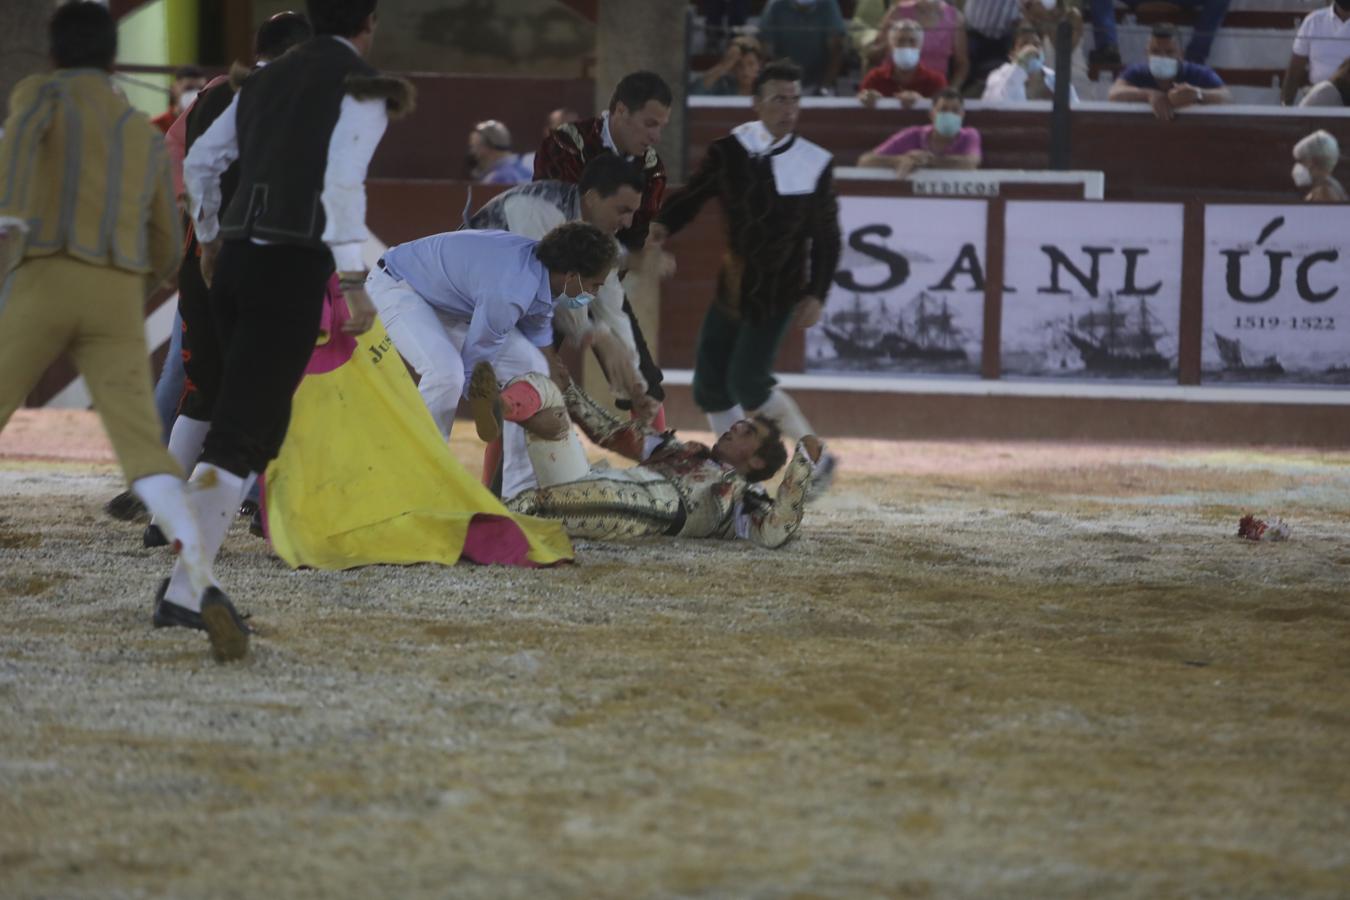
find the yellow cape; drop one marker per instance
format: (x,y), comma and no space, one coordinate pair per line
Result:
(364,476)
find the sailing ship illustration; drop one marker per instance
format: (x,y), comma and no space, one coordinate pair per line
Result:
(1230,352)
(924,330)
(1118,340)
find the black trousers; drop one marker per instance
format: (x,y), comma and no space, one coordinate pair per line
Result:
(265,304)
(202,360)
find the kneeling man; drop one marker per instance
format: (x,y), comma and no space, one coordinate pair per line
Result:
(453,300)
(677,488)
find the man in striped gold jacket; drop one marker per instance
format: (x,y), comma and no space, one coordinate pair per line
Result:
(88,229)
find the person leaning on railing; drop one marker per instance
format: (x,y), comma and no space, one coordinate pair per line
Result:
(943,29)
(1335,91)
(902,74)
(942,145)
(1167,83)
(1315,158)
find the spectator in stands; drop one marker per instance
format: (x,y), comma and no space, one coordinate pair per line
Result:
(735,74)
(945,48)
(811,34)
(1106,48)
(187,83)
(560,117)
(556,119)
(1045,16)
(1335,91)
(989,33)
(723,17)
(941,145)
(491,157)
(1025,76)
(902,74)
(1315,158)
(865,30)
(1322,44)
(1167,83)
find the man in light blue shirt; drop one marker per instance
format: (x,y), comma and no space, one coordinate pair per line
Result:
(453,300)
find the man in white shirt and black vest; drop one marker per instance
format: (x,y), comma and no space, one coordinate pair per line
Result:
(777,192)
(303,130)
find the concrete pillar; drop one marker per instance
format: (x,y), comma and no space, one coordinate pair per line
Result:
(632,35)
(23,44)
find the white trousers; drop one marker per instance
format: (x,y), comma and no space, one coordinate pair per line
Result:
(433,342)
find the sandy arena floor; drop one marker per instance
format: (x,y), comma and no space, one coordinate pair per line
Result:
(984,671)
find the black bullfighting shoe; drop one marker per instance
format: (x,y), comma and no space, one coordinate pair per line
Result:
(152,536)
(485,402)
(171,615)
(224,626)
(125,507)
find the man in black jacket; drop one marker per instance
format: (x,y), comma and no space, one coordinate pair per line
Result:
(200,360)
(303,130)
(777,193)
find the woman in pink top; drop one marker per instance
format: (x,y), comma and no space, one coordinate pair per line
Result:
(941,145)
(944,36)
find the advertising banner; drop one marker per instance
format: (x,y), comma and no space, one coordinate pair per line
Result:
(1092,290)
(1277,295)
(909,292)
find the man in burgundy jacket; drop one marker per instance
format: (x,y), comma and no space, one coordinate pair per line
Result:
(638,110)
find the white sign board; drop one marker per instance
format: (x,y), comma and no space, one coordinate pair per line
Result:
(909,292)
(1092,290)
(1277,294)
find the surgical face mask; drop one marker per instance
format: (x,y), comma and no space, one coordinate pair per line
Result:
(1048,5)
(1302,176)
(1035,63)
(567,301)
(947,123)
(905,57)
(1163,68)
(187,98)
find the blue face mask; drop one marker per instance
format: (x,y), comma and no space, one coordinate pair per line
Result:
(947,124)
(568,301)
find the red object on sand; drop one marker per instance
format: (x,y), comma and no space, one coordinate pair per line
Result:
(1251,528)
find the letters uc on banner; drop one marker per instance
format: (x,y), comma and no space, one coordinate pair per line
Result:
(1277,294)
(909,292)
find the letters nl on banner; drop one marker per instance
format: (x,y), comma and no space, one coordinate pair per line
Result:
(909,292)
(1277,294)
(1092,290)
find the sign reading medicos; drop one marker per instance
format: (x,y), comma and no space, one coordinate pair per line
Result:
(1092,290)
(908,295)
(1277,295)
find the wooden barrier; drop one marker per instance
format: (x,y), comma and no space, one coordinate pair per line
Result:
(1218,153)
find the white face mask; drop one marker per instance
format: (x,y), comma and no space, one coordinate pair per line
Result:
(1302,176)
(905,57)
(187,98)
(1163,68)
(1034,63)
(1048,5)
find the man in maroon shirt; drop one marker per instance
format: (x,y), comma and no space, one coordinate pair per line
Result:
(900,73)
(638,110)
